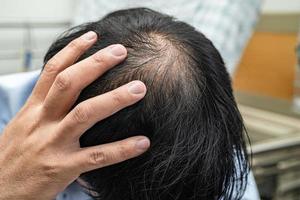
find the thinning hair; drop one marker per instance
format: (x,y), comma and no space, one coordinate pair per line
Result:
(189,112)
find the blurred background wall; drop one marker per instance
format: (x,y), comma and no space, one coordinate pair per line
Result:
(268,65)
(30,25)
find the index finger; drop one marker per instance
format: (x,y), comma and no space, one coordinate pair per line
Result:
(63,59)
(91,158)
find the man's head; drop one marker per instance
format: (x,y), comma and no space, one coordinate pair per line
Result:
(189,112)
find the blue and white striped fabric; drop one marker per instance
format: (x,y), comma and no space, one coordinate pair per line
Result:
(227,23)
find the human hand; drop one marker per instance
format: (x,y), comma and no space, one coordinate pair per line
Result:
(40,152)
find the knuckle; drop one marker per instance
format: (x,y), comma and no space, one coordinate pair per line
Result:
(51,169)
(99,57)
(62,81)
(98,158)
(77,44)
(123,152)
(81,113)
(117,98)
(52,66)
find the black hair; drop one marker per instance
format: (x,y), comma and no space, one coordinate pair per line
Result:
(189,112)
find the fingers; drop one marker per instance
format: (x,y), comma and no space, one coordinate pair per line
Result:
(69,83)
(100,156)
(63,59)
(89,112)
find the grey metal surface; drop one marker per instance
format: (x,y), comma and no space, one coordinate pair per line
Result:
(274,129)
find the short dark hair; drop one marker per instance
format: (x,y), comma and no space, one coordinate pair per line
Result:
(189,112)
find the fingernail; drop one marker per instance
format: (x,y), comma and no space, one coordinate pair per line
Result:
(136,87)
(143,144)
(89,35)
(117,50)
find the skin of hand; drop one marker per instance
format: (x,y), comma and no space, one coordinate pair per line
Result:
(40,154)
